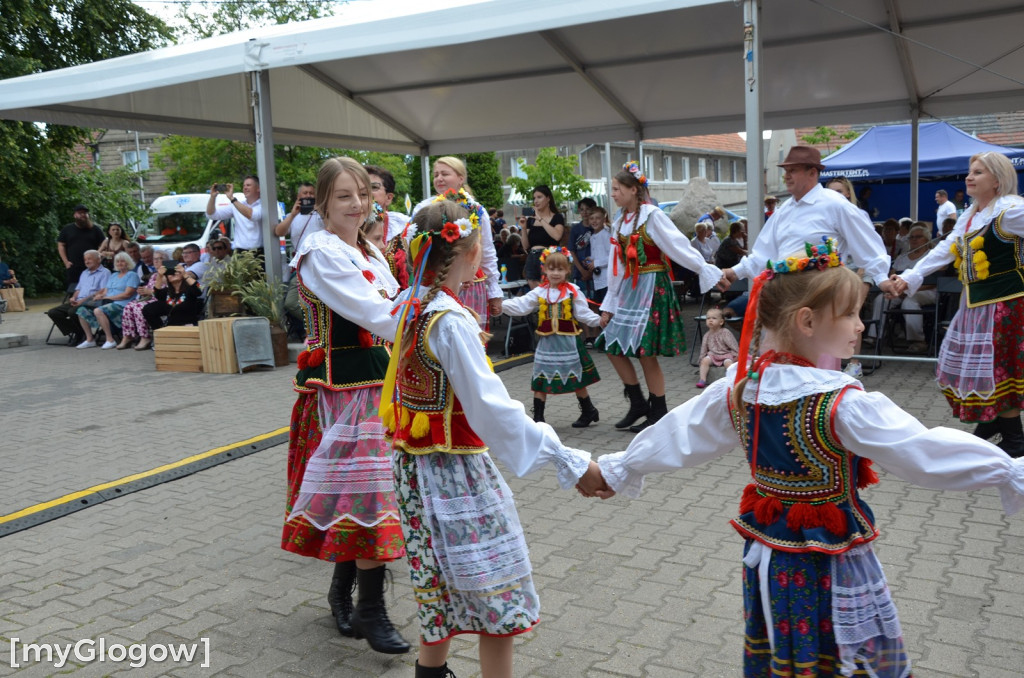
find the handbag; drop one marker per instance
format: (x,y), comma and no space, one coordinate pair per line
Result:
(15,298)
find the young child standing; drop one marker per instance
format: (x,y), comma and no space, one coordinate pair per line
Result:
(449,413)
(718,347)
(561,363)
(810,436)
(640,313)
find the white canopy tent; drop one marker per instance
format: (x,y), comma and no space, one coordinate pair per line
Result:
(526,73)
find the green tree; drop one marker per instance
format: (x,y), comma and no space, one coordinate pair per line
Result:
(485,179)
(38,172)
(207,19)
(556,172)
(828,135)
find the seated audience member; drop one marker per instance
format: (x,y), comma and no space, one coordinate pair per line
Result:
(120,289)
(177,299)
(134,250)
(91,283)
(947,226)
(919,245)
(513,257)
(133,323)
(7,277)
(731,250)
(190,257)
(220,252)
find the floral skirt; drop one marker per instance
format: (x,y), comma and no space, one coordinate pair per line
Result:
(345,539)
(550,376)
(133,323)
(663,331)
(468,560)
(800,591)
(981,361)
(111,310)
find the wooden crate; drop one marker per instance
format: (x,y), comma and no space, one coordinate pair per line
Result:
(177,349)
(217,345)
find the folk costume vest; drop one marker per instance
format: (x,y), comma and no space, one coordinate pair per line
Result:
(339,353)
(638,253)
(990,262)
(429,417)
(804,491)
(557,317)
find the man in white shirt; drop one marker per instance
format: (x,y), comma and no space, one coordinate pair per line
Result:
(814,212)
(300,223)
(247,214)
(945,210)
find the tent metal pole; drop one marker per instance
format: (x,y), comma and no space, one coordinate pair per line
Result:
(754,117)
(915,172)
(425,172)
(263,127)
(608,179)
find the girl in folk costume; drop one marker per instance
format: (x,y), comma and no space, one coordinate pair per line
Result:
(815,599)
(561,363)
(640,312)
(483,294)
(449,413)
(981,362)
(341,500)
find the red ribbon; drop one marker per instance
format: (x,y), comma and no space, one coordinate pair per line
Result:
(633,259)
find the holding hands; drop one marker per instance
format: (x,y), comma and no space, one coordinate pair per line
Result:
(592,483)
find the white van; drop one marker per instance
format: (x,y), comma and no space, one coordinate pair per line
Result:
(177,220)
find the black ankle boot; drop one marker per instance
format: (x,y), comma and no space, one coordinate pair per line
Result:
(638,407)
(588,413)
(1013,436)
(538,410)
(340,595)
(986,429)
(658,410)
(370,619)
(441,671)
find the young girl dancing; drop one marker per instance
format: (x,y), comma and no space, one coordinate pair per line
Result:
(449,413)
(640,313)
(341,492)
(815,599)
(561,363)
(718,347)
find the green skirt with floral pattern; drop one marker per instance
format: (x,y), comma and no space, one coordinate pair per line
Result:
(664,334)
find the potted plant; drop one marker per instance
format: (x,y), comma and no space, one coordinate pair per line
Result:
(265,299)
(224,292)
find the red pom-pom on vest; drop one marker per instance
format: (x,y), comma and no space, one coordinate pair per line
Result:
(865,473)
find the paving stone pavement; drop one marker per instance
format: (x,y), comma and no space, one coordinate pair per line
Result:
(649,587)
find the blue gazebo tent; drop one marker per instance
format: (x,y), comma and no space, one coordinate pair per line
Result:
(880,159)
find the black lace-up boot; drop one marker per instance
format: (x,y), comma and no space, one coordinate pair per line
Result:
(588,413)
(370,618)
(638,406)
(340,595)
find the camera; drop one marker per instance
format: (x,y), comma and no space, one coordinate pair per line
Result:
(306,205)
(528,212)
(221,188)
(597,270)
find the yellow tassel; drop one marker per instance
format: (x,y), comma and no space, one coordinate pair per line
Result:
(405,417)
(953,249)
(420,425)
(978,243)
(387,417)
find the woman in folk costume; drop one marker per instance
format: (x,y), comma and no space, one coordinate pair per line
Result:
(561,363)
(449,414)
(815,598)
(981,362)
(640,313)
(483,293)
(341,500)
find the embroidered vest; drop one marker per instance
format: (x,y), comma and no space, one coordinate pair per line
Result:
(804,491)
(346,355)
(990,262)
(557,317)
(429,416)
(638,253)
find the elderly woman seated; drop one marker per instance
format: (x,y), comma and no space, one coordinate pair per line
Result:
(121,288)
(133,323)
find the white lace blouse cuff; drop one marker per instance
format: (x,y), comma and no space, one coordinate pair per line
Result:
(1012,493)
(913,280)
(710,275)
(571,464)
(619,477)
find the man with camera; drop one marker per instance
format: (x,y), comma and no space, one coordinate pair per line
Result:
(246,214)
(300,222)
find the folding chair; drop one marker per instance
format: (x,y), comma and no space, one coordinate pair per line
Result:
(69,339)
(698,335)
(894,314)
(949,289)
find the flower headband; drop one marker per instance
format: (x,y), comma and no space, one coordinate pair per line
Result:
(551,250)
(376,213)
(633,168)
(453,230)
(825,255)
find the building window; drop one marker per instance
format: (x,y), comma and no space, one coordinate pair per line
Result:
(742,171)
(702,167)
(668,168)
(732,172)
(717,169)
(649,167)
(686,168)
(137,165)
(517,170)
